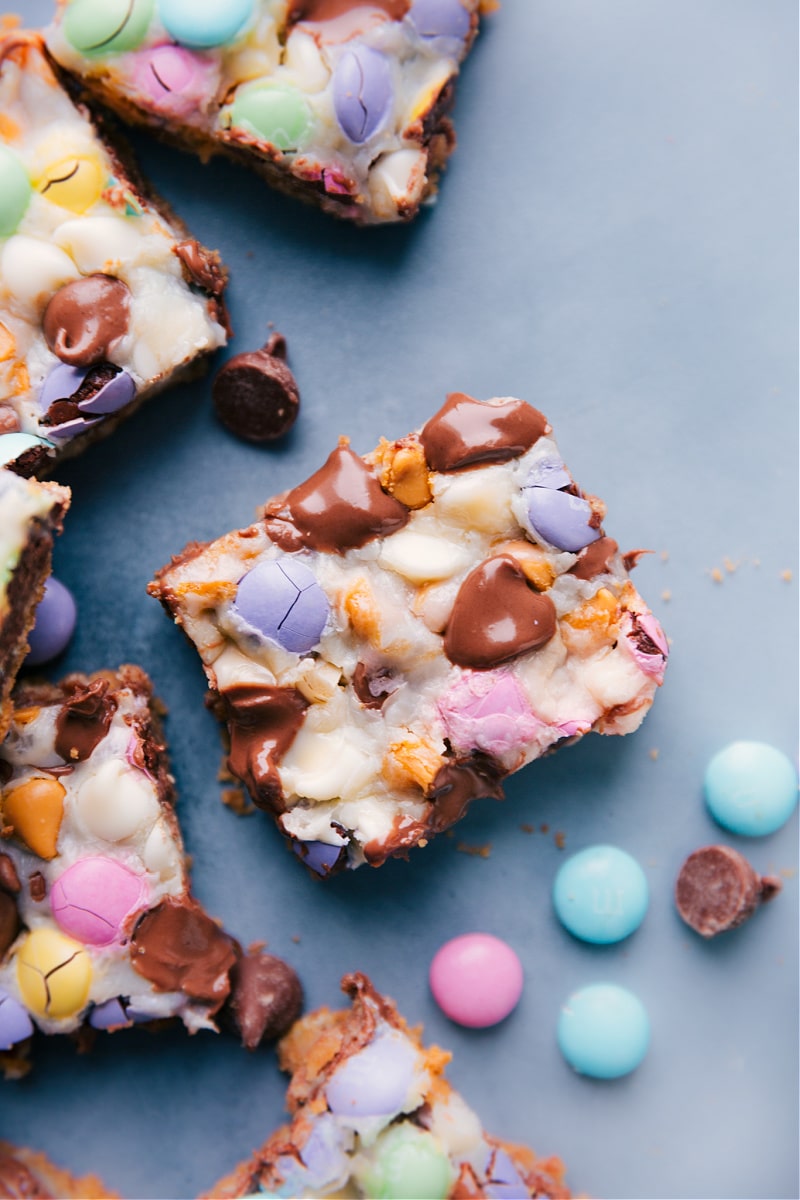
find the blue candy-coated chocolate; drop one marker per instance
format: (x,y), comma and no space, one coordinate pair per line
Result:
(108,1015)
(603,1031)
(319,857)
(376,1081)
(14,445)
(440,18)
(282,600)
(548,471)
(601,894)
(751,788)
(362,92)
(15,1023)
(55,623)
(560,518)
(201,24)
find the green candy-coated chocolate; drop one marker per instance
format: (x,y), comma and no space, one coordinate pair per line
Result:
(96,27)
(408,1165)
(15,191)
(276,113)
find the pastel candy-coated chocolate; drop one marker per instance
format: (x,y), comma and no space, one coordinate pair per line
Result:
(407,1164)
(73,428)
(14,445)
(476,979)
(323,1154)
(172,77)
(647,642)
(111,397)
(15,1024)
(560,518)
(109,1015)
(548,471)
(751,788)
(375,1082)
(62,382)
(601,894)
(74,183)
(274,113)
(319,857)
(603,1031)
(282,600)
(35,808)
(53,973)
(439,18)
(56,614)
(489,712)
(15,191)
(362,92)
(505,1181)
(98,27)
(92,898)
(202,24)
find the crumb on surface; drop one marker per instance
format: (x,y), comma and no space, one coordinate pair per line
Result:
(665,555)
(788,872)
(730,565)
(559,837)
(237,802)
(296,939)
(526,827)
(475,851)
(716,574)
(666,595)
(654,753)
(544,828)
(786,576)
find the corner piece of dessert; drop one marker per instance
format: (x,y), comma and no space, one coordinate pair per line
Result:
(342,103)
(31,515)
(98,926)
(104,298)
(27,1174)
(373,1115)
(401,631)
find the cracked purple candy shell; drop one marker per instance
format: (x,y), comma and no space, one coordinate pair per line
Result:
(375,1082)
(440,18)
(111,397)
(109,1015)
(319,857)
(54,625)
(549,472)
(71,429)
(560,518)
(362,92)
(323,1154)
(282,600)
(15,1024)
(62,382)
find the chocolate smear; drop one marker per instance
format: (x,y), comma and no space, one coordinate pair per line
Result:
(263,723)
(374,685)
(266,997)
(255,394)
(717,890)
(84,720)
(595,559)
(466,432)
(497,615)
(458,783)
(178,948)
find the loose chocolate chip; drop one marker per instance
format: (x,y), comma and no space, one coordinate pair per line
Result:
(266,998)
(255,394)
(718,890)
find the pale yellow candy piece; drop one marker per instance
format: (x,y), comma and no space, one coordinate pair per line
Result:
(421,558)
(75,182)
(35,809)
(53,973)
(117,802)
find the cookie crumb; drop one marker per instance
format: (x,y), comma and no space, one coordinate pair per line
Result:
(543,828)
(653,753)
(559,838)
(666,595)
(235,800)
(730,565)
(475,851)
(716,574)
(526,828)
(786,576)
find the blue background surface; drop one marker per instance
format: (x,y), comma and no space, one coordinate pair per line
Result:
(615,241)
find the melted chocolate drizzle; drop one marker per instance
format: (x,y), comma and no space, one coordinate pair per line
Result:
(178,948)
(263,723)
(595,559)
(84,721)
(497,615)
(466,432)
(458,783)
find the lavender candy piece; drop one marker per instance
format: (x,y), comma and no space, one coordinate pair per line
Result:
(70,429)
(112,396)
(440,18)
(376,1081)
(325,1154)
(15,1023)
(560,518)
(319,857)
(282,600)
(109,1015)
(362,92)
(62,382)
(548,472)
(56,614)
(504,1181)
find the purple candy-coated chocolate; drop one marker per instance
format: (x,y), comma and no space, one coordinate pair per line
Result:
(113,396)
(362,92)
(62,382)
(560,518)
(323,1153)
(55,622)
(503,1170)
(71,429)
(319,857)
(376,1081)
(439,18)
(15,1024)
(549,472)
(109,1015)
(282,600)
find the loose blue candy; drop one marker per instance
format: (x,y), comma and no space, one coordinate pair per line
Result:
(603,1031)
(282,600)
(439,18)
(751,788)
(601,894)
(560,518)
(362,92)
(201,24)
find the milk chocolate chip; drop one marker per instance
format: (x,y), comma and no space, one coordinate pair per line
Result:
(266,997)
(466,432)
(178,948)
(255,394)
(497,615)
(85,319)
(341,507)
(717,890)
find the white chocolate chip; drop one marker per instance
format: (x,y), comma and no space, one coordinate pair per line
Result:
(395,178)
(325,766)
(32,270)
(478,500)
(420,558)
(117,802)
(160,854)
(98,243)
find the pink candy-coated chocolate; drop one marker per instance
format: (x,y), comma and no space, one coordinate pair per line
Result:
(173,79)
(651,664)
(476,979)
(488,711)
(93,897)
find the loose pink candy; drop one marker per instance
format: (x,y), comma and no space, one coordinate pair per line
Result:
(476,979)
(174,79)
(93,897)
(488,711)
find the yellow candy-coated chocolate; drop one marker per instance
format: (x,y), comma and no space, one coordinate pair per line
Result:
(74,183)
(35,809)
(53,972)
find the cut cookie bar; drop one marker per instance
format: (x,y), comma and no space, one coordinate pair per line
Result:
(103,298)
(372,1115)
(340,102)
(31,514)
(26,1173)
(98,927)
(401,631)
